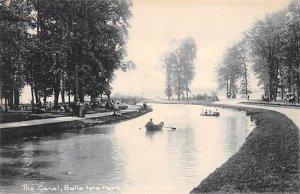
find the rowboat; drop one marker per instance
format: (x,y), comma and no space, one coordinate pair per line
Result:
(214,114)
(154,127)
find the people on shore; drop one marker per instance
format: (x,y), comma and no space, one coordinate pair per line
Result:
(145,105)
(116,110)
(79,110)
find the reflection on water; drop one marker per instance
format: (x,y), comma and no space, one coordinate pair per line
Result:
(123,158)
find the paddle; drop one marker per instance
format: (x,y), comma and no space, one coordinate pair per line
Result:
(170,127)
(174,128)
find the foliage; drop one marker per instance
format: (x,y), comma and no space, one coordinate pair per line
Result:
(64,45)
(274,50)
(272,45)
(233,68)
(178,62)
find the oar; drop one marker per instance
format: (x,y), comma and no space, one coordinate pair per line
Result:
(170,127)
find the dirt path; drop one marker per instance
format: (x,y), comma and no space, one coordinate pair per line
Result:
(61,119)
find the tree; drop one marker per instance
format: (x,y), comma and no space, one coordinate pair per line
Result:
(291,51)
(179,64)
(14,22)
(85,42)
(265,51)
(187,54)
(233,68)
(169,61)
(242,60)
(62,45)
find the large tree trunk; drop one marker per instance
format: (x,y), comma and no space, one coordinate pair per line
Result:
(179,91)
(62,87)
(32,95)
(11,99)
(16,97)
(76,94)
(246,79)
(187,95)
(45,97)
(6,109)
(56,95)
(81,95)
(69,96)
(45,100)
(227,87)
(37,97)
(63,96)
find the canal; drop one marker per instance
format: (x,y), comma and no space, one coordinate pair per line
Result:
(124,158)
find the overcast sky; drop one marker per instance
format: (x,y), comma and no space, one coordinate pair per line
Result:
(214,24)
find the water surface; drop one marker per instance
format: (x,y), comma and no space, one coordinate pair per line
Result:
(124,158)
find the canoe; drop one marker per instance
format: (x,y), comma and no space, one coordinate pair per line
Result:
(150,127)
(214,114)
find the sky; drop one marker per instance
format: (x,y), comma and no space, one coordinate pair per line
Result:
(214,24)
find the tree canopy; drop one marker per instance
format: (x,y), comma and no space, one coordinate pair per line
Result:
(272,46)
(178,62)
(63,46)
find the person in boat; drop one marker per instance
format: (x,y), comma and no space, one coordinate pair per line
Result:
(205,112)
(150,122)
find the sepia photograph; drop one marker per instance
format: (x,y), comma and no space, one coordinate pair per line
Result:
(149,96)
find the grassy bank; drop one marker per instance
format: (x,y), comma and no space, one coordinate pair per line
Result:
(268,161)
(17,116)
(11,135)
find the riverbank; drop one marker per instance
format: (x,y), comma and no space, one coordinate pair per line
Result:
(12,134)
(268,161)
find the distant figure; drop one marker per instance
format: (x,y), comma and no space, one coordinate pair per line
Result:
(145,105)
(76,108)
(109,105)
(248,97)
(61,107)
(116,110)
(22,107)
(265,98)
(205,112)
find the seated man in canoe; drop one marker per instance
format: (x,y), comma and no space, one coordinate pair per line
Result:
(150,126)
(150,123)
(210,113)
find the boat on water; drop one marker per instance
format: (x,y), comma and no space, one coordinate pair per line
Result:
(154,127)
(210,113)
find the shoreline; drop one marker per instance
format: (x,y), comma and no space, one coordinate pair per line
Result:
(268,161)
(11,135)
